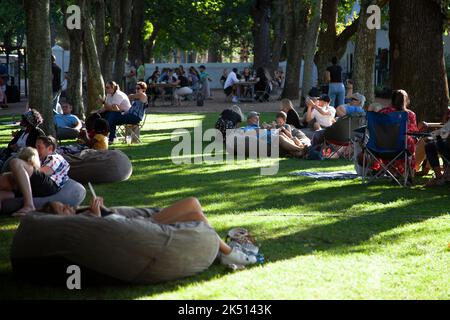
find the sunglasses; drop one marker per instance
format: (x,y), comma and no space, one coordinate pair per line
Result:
(354,99)
(138,88)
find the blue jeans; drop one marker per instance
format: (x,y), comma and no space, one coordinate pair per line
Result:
(336,91)
(121,119)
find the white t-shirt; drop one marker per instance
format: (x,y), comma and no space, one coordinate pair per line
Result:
(119,98)
(324,121)
(231,80)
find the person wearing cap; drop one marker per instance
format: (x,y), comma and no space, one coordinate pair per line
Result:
(26,137)
(321,112)
(26,181)
(252,121)
(356,105)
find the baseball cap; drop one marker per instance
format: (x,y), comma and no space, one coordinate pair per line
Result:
(314,93)
(324,97)
(357,96)
(252,114)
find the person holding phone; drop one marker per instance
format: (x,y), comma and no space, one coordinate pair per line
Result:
(184,211)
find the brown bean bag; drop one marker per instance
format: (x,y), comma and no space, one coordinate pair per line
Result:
(99,166)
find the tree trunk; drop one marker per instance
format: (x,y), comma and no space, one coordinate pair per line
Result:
(417,56)
(296,23)
(310,47)
(261,33)
(150,44)
(214,53)
(99,6)
(39,53)
(330,44)
(136,49)
(279,35)
(364,61)
(122,46)
(75,81)
(95,83)
(109,53)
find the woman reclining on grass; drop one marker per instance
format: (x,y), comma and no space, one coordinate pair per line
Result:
(187,210)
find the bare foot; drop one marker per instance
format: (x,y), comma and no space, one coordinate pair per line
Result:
(23,211)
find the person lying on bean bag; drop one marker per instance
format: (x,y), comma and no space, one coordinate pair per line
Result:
(121,244)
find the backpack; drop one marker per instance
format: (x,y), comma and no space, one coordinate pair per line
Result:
(200,101)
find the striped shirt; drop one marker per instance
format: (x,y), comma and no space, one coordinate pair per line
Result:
(60,168)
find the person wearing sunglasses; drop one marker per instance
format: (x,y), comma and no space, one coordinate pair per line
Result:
(135,114)
(356,105)
(115,104)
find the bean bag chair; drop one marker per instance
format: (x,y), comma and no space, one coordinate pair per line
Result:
(72,193)
(243,145)
(97,166)
(110,251)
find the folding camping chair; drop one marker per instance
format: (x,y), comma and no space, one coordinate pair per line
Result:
(387,141)
(341,134)
(132,130)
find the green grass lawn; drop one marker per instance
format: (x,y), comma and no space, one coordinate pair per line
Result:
(321,239)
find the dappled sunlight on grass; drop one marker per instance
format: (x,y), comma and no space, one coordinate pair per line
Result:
(321,239)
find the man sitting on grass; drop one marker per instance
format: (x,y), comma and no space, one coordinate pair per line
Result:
(26,181)
(67,124)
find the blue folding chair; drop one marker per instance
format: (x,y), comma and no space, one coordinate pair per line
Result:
(387,141)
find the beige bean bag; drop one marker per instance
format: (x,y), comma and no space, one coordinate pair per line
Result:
(99,166)
(110,249)
(72,193)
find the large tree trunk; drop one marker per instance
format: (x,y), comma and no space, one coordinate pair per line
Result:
(330,44)
(150,43)
(75,81)
(261,33)
(110,50)
(214,53)
(95,83)
(417,56)
(279,35)
(100,25)
(122,46)
(136,49)
(310,46)
(39,53)
(296,23)
(364,61)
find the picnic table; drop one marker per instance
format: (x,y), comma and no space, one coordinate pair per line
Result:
(164,93)
(241,85)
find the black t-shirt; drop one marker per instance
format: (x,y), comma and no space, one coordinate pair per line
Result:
(293,119)
(231,115)
(184,82)
(335,73)
(56,77)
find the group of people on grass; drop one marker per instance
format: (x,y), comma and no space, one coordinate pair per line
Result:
(301,137)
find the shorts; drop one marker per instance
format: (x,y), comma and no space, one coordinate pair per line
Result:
(349,110)
(42,185)
(228,90)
